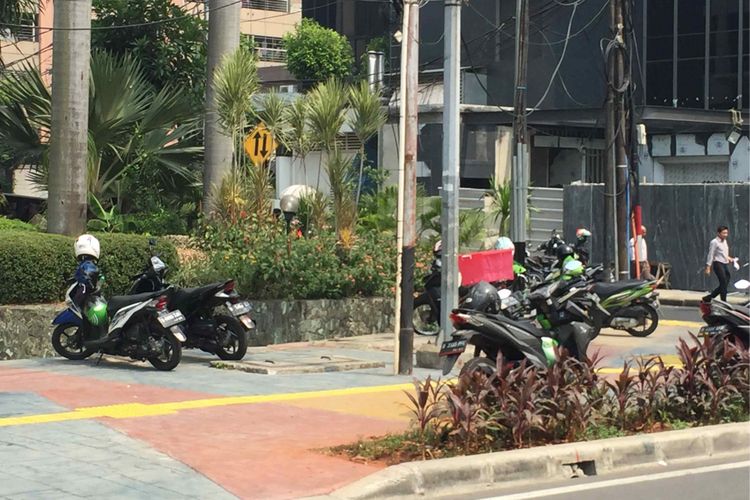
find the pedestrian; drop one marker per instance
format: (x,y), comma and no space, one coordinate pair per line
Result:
(718,259)
(642,256)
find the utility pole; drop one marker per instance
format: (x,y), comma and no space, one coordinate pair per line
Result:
(400,209)
(223,39)
(451,183)
(610,188)
(409,100)
(621,157)
(68,160)
(519,173)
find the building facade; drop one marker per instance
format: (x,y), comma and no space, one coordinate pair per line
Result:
(265,20)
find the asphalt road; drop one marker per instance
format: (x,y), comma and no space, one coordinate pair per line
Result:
(727,479)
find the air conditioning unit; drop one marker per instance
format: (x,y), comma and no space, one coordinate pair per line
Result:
(287,89)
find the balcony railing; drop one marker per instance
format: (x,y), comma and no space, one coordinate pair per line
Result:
(271,55)
(274,5)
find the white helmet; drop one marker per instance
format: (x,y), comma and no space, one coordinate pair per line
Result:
(87,245)
(504,243)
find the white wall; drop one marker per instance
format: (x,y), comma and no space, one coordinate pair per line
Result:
(567,167)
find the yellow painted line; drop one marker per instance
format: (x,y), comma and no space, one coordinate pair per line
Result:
(135,410)
(675,322)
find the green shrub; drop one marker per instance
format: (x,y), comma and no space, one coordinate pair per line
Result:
(15,224)
(35,266)
(158,222)
(267,265)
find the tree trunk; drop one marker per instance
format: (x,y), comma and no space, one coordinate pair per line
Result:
(223,39)
(68,159)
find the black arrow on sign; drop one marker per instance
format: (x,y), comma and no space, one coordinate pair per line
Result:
(265,143)
(256,136)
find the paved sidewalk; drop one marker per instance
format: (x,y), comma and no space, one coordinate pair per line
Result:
(123,430)
(689,298)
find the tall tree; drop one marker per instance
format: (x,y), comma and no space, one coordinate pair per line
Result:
(315,54)
(168,40)
(67,203)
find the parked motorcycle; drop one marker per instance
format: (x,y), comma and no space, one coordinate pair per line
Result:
(723,318)
(139,327)
(632,305)
(478,324)
(207,327)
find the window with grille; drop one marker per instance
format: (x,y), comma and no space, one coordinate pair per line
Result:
(274,5)
(270,48)
(27,32)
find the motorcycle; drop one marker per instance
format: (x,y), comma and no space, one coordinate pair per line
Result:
(139,327)
(426,316)
(517,339)
(225,335)
(725,319)
(631,305)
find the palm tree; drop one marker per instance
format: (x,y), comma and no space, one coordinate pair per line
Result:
(298,137)
(131,127)
(366,118)
(327,114)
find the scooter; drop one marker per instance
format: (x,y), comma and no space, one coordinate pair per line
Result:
(723,318)
(207,328)
(139,327)
(518,339)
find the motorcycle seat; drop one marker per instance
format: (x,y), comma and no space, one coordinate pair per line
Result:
(184,295)
(604,290)
(118,302)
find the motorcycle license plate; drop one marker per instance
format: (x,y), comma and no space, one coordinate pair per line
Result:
(240,308)
(248,322)
(453,347)
(168,319)
(714,330)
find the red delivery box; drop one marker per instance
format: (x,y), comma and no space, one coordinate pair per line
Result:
(489,265)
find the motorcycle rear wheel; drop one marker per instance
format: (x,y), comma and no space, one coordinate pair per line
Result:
(171,354)
(61,342)
(652,321)
(237,346)
(422,318)
(478,364)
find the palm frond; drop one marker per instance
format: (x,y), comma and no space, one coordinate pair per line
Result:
(327,104)
(367,114)
(236,82)
(272,112)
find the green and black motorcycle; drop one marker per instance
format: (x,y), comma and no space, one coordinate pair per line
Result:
(630,305)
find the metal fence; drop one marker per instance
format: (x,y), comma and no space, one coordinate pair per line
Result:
(681,220)
(273,5)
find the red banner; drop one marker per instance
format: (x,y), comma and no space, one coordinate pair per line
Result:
(490,265)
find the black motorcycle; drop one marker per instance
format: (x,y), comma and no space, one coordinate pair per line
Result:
(491,334)
(136,326)
(725,319)
(426,318)
(208,328)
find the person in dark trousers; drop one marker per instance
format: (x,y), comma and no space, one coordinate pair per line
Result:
(718,259)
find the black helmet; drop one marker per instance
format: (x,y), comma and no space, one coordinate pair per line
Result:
(482,297)
(564,251)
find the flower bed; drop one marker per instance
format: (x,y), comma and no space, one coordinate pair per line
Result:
(521,406)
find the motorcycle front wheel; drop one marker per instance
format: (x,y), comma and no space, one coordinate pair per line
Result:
(67,341)
(171,351)
(235,345)
(651,321)
(425,317)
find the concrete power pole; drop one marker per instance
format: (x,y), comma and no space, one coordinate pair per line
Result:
(621,158)
(409,99)
(223,39)
(610,187)
(519,173)
(451,158)
(68,157)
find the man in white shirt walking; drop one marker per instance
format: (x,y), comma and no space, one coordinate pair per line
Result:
(718,259)
(642,256)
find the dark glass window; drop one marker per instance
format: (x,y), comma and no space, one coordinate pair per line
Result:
(722,64)
(691,51)
(659,50)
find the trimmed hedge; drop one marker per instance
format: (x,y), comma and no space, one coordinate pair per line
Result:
(35,266)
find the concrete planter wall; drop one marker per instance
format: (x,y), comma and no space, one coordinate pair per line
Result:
(25,330)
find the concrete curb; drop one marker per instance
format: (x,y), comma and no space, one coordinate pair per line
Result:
(434,477)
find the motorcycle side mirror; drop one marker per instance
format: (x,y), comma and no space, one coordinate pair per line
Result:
(504,293)
(742,285)
(152,242)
